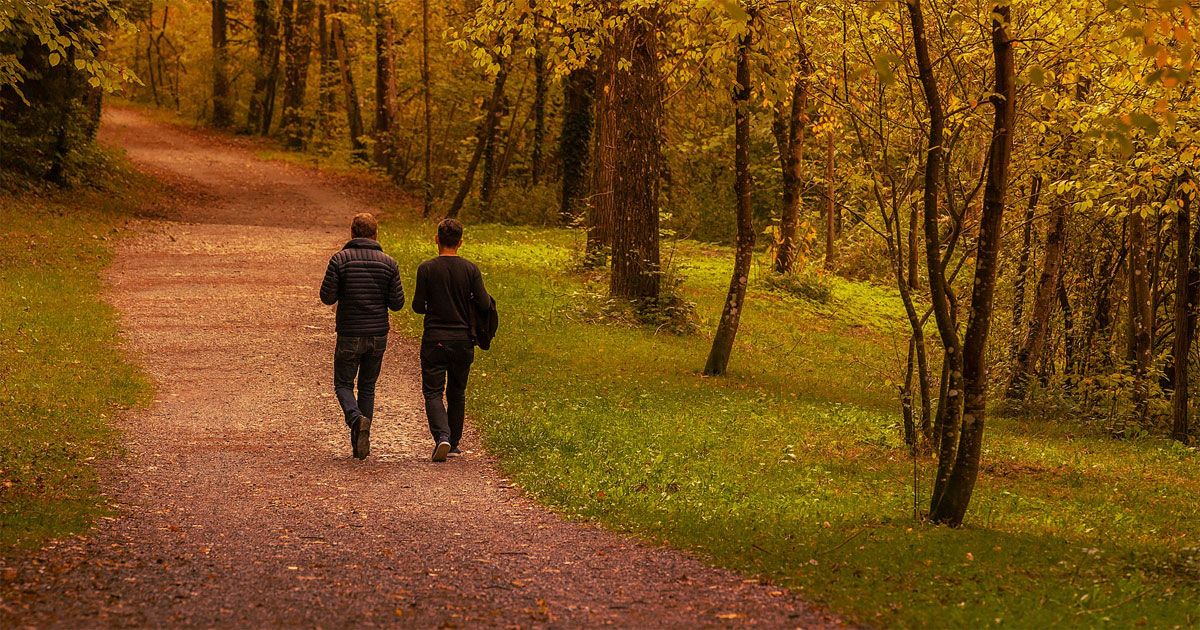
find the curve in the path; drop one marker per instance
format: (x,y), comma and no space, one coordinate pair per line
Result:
(239,504)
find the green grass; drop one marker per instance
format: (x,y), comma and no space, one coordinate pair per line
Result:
(62,376)
(792,467)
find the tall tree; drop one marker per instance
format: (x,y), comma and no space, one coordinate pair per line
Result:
(1141,313)
(831,212)
(636,108)
(385,86)
(327,77)
(222,102)
(1030,351)
(735,297)
(354,119)
(539,110)
(427,198)
(575,141)
(1187,287)
(601,210)
(790,138)
(1018,306)
(948,421)
(951,506)
(297,18)
(266,67)
(485,134)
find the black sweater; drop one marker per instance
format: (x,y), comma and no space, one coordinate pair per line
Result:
(365,282)
(446,288)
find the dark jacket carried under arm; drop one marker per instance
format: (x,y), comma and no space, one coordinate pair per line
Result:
(446,288)
(365,282)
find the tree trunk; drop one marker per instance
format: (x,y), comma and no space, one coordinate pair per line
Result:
(266,38)
(948,421)
(539,111)
(636,110)
(353,106)
(385,87)
(1043,299)
(489,179)
(831,214)
(222,111)
(1141,314)
(952,504)
(297,47)
(427,200)
(575,141)
(1070,342)
(601,211)
(487,129)
(1018,318)
(792,157)
(327,79)
(1185,305)
(727,326)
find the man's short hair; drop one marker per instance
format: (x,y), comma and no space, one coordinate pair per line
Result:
(449,233)
(364,226)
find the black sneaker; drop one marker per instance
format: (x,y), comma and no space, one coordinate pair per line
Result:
(454,451)
(440,451)
(362,437)
(354,438)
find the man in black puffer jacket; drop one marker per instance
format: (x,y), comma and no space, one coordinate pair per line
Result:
(365,283)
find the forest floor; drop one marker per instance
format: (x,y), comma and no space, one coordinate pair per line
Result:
(239,505)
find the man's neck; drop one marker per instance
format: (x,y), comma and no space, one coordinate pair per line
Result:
(447,252)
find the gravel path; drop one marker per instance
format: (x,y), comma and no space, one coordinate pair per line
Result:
(239,504)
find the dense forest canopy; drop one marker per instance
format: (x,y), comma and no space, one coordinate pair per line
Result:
(1021,173)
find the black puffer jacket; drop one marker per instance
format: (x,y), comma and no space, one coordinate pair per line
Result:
(365,282)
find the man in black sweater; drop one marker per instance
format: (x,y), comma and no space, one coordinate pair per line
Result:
(365,283)
(448,289)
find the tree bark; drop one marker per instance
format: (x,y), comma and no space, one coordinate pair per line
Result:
(385,87)
(222,111)
(727,326)
(831,214)
(600,210)
(539,111)
(636,110)
(1141,314)
(327,78)
(266,39)
(353,106)
(792,154)
(297,47)
(427,199)
(1018,316)
(952,504)
(575,140)
(1185,305)
(1043,299)
(948,419)
(487,129)
(489,180)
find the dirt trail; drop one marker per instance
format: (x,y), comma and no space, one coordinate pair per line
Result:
(240,506)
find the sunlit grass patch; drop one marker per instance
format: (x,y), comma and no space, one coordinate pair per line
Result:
(793,467)
(62,375)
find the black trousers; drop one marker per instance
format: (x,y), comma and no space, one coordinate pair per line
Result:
(445,366)
(361,356)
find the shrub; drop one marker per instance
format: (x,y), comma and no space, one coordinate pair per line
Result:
(808,284)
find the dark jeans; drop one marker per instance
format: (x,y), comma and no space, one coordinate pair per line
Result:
(445,366)
(362,356)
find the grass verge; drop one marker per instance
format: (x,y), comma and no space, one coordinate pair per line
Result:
(62,376)
(792,468)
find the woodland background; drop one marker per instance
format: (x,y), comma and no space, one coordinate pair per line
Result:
(1013,181)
